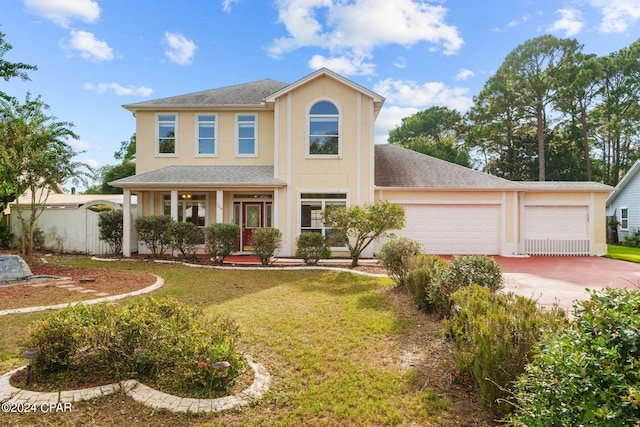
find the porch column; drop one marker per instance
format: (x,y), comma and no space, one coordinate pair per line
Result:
(174,205)
(126,224)
(219,206)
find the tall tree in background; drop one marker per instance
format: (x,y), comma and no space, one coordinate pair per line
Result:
(532,68)
(579,83)
(35,158)
(494,127)
(435,132)
(108,173)
(617,116)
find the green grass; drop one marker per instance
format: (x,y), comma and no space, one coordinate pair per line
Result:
(624,253)
(332,342)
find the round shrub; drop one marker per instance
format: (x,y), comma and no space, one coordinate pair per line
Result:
(311,247)
(395,255)
(221,239)
(266,243)
(164,343)
(474,270)
(589,373)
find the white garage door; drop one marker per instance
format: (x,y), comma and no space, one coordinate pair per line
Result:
(556,230)
(454,229)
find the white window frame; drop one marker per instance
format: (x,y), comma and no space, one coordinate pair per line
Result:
(309,155)
(323,202)
(175,137)
(215,135)
(623,219)
(255,134)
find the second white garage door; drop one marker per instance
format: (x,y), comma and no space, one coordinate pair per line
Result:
(556,230)
(454,229)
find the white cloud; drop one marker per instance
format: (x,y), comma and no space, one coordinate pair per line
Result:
(62,12)
(90,48)
(464,74)
(512,24)
(354,28)
(617,15)
(570,22)
(411,94)
(79,145)
(93,164)
(400,62)
(388,119)
(343,65)
(118,89)
(180,50)
(226,5)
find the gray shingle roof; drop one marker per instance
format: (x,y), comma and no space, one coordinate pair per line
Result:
(221,176)
(566,185)
(252,93)
(399,167)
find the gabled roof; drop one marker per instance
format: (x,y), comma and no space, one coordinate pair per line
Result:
(377,99)
(242,95)
(626,179)
(399,167)
(203,176)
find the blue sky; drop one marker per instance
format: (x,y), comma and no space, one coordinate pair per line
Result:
(94,55)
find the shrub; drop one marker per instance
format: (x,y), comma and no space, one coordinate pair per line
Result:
(155,232)
(266,243)
(424,283)
(478,270)
(185,237)
(311,247)
(632,240)
(588,374)
(146,339)
(395,255)
(6,237)
(221,239)
(110,226)
(494,335)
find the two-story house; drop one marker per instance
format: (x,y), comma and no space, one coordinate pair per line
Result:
(272,154)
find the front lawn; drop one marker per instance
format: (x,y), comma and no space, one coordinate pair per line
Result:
(341,350)
(624,253)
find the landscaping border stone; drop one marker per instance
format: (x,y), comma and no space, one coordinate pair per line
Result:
(10,395)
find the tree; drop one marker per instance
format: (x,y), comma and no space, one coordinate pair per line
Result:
(9,70)
(35,158)
(109,173)
(110,226)
(435,132)
(358,226)
(578,86)
(533,66)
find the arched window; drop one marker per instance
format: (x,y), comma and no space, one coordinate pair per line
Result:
(324,125)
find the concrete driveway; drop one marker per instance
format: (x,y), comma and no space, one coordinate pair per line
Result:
(563,280)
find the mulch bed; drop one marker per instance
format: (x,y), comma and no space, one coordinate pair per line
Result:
(109,281)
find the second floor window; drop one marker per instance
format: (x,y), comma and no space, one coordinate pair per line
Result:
(246,135)
(206,135)
(324,125)
(166,135)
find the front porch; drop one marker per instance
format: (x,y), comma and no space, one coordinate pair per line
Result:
(203,195)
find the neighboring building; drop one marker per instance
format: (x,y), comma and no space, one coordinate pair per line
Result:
(272,154)
(624,202)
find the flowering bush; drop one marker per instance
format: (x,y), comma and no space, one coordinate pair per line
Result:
(162,342)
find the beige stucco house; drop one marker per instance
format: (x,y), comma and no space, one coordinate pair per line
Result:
(272,154)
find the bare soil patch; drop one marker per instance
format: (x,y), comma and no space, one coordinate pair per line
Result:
(49,292)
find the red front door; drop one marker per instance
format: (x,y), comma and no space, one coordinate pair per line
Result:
(252,218)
